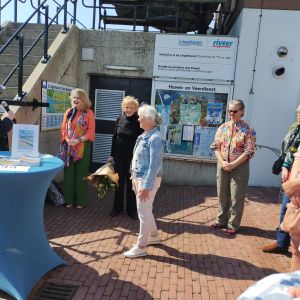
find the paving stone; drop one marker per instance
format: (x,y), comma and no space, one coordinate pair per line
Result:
(193,261)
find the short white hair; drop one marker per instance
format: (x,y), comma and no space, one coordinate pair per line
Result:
(151,113)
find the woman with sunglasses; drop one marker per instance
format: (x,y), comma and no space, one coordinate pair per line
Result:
(234,145)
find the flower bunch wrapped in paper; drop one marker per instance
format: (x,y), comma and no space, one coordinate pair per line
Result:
(104,179)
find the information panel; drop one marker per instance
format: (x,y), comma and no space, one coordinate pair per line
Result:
(58,97)
(191,114)
(195,57)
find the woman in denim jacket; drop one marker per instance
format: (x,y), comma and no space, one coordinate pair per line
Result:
(146,172)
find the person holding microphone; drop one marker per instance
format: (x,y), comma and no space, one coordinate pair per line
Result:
(5,126)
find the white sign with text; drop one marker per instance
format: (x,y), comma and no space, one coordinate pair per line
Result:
(196,57)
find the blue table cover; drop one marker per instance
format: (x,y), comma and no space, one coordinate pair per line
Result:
(25,253)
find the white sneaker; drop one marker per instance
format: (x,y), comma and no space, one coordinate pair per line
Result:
(154,240)
(135,251)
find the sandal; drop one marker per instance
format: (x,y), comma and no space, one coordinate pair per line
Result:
(230,232)
(217,226)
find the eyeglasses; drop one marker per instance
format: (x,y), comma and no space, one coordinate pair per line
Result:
(232,111)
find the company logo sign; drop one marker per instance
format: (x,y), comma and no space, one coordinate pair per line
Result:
(222,44)
(189,43)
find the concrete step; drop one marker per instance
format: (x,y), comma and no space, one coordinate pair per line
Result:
(27,42)
(9,93)
(14,59)
(35,26)
(13,81)
(31,33)
(6,69)
(14,49)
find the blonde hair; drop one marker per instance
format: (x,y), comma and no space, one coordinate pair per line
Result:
(298,108)
(130,100)
(82,94)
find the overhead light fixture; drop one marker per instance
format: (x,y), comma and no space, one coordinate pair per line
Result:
(122,68)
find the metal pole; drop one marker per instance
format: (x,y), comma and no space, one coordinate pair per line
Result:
(134,17)
(94,14)
(39,13)
(46,35)
(65,16)
(16,11)
(104,20)
(20,76)
(75,12)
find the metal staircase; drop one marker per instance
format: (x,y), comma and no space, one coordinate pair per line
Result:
(10,58)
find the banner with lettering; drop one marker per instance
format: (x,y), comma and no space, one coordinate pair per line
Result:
(58,97)
(191,114)
(195,56)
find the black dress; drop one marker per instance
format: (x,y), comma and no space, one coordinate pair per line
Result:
(126,132)
(5,126)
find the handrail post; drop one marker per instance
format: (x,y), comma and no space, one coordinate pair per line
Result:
(104,19)
(65,30)
(134,17)
(16,11)
(56,18)
(146,28)
(177,17)
(46,26)
(75,12)
(39,13)
(20,75)
(94,14)
(99,23)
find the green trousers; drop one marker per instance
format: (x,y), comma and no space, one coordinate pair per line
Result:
(74,184)
(231,188)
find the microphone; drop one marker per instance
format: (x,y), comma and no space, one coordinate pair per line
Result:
(2,88)
(6,107)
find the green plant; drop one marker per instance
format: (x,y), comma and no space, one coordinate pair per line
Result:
(104,185)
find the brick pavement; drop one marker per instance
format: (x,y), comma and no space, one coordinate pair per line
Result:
(194,262)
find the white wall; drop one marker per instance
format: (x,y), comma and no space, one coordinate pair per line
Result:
(270,109)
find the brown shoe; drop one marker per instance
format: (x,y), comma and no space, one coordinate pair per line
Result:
(274,248)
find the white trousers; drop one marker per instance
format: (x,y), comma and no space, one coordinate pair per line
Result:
(144,209)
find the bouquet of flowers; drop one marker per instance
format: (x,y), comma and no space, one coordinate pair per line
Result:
(104,179)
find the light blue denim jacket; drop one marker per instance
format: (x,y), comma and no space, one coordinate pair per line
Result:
(147,154)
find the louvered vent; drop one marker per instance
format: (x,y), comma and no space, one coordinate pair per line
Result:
(101,147)
(108,104)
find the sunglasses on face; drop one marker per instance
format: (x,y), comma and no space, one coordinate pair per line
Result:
(232,111)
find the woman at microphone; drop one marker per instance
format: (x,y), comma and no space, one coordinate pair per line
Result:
(5,126)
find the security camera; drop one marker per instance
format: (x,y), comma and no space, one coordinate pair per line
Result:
(278,72)
(282,51)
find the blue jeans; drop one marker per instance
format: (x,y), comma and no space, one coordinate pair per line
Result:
(283,238)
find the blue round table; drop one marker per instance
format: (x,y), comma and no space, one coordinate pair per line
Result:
(25,253)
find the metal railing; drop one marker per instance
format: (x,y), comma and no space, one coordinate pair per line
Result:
(40,9)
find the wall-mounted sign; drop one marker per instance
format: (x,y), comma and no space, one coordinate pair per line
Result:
(191,114)
(58,97)
(195,57)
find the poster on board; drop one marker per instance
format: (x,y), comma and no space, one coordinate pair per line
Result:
(191,113)
(58,97)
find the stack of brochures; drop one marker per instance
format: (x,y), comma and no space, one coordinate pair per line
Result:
(20,161)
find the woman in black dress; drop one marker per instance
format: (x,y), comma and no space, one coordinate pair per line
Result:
(126,132)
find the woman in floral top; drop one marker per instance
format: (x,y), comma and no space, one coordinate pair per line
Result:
(234,145)
(77,133)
